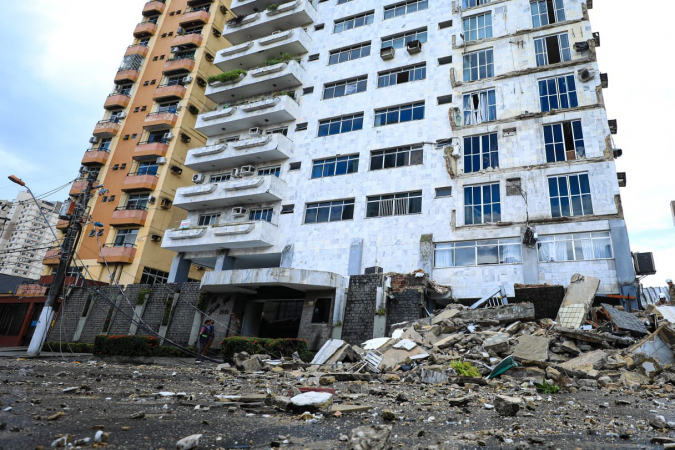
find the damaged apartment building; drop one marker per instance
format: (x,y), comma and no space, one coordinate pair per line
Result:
(468,139)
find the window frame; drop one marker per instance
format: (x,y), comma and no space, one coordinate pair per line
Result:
(356,118)
(126,234)
(349,161)
(558,6)
(541,50)
(552,147)
(360,85)
(343,204)
(466,4)
(409,153)
(576,240)
(499,244)
(421,34)
(480,156)
(469,69)
(265,214)
(269,171)
(487,27)
(414,71)
(349,52)
(368,19)
(388,113)
(405,5)
(569,196)
(411,197)
(494,188)
(208,219)
(475,116)
(220,177)
(562,93)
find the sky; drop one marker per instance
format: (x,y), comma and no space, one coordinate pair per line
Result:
(63,56)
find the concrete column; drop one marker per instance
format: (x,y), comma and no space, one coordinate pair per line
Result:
(287,257)
(625,271)
(355,257)
(530,265)
(180,269)
(252,315)
(426,261)
(224,262)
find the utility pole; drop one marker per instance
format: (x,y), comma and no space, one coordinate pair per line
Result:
(72,235)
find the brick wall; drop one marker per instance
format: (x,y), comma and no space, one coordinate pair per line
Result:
(360,308)
(184,313)
(546,299)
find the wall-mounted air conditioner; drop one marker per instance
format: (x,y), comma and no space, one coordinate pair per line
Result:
(161,161)
(167,136)
(247,171)
(586,75)
(414,47)
(152,199)
(255,131)
(239,211)
(387,53)
(198,178)
(93,140)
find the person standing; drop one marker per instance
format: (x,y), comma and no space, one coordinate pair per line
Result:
(206,334)
(671,291)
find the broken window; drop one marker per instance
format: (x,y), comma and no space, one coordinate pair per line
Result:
(482,204)
(570,195)
(552,49)
(396,157)
(480,107)
(575,247)
(394,204)
(402,75)
(478,27)
(330,167)
(347,87)
(545,12)
(478,253)
(558,93)
(480,153)
(479,65)
(321,312)
(332,211)
(564,141)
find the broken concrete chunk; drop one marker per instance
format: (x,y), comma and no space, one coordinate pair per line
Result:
(578,300)
(189,442)
(497,343)
(327,350)
(531,348)
(657,345)
(253,364)
(448,341)
(370,437)
(433,376)
(570,347)
(586,365)
(445,314)
(507,406)
(500,314)
(377,344)
(313,402)
(397,356)
(623,321)
(406,344)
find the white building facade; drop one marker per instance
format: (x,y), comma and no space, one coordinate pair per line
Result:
(408,135)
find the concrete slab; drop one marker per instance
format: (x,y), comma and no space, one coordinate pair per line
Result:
(578,300)
(445,314)
(624,321)
(501,314)
(587,365)
(531,348)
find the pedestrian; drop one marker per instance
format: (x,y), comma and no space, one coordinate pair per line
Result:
(206,334)
(671,291)
(662,299)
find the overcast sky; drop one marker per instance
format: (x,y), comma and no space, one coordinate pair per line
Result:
(60,59)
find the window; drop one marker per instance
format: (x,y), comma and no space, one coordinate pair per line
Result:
(207,219)
(339,165)
(397,114)
(478,253)
(338,125)
(444,99)
(472,3)
(558,93)
(330,211)
(353,22)
(137,201)
(152,276)
(261,214)
(220,177)
(394,204)
(575,247)
(552,49)
(482,204)
(349,53)
(545,12)
(126,238)
(570,195)
(444,192)
(396,157)
(402,75)
(147,168)
(342,88)
(401,9)
(479,65)
(480,107)
(480,152)
(280,130)
(287,209)
(271,170)
(321,312)
(478,27)
(307,90)
(564,141)
(168,107)
(301,126)
(294,166)
(104,145)
(442,61)
(401,40)
(340,2)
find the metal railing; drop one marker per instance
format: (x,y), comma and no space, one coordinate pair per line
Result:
(142,172)
(161,141)
(179,57)
(131,207)
(393,207)
(107,150)
(118,244)
(191,9)
(103,122)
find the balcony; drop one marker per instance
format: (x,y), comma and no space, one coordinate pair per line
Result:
(117,101)
(298,13)
(127,76)
(62,225)
(95,157)
(145,29)
(258,113)
(52,257)
(78,187)
(188,40)
(106,128)
(278,77)
(150,150)
(160,121)
(179,64)
(195,16)
(254,53)
(240,191)
(225,236)
(140,182)
(138,49)
(271,147)
(165,91)
(117,255)
(198,2)
(154,7)
(126,215)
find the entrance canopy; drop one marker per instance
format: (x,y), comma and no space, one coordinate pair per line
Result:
(249,280)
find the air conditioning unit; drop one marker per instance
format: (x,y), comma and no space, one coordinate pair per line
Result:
(176,170)
(93,140)
(198,178)
(255,132)
(414,47)
(586,75)
(239,211)
(581,46)
(156,238)
(179,107)
(175,49)
(180,30)
(387,53)
(167,136)
(456,148)
(187,80)
(235,173)
(165,203)
(152,199)
(161,161)
(247,171)
(122,115)
(644,264)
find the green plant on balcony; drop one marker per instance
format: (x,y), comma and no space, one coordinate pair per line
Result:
(226,77)
(281,59)
(273,7)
